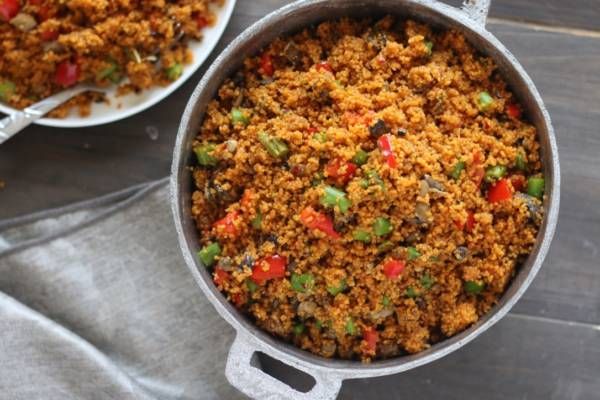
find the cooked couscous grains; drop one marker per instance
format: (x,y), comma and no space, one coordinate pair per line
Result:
(47,45)
(365,190)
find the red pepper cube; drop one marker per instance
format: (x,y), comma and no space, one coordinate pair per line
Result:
(8,9)
(385,145)
(370,337)
(500,191)
(340,170)
(513,111)
(228,225)
(266,64)
(67,73)
(272,267)
(319,221)
(393,268)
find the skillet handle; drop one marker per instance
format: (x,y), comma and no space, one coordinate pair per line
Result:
(256,384)
(477,10)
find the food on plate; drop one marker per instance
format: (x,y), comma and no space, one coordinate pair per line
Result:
(365,189)
(48,45)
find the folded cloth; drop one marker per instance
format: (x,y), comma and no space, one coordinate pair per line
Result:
(96,303)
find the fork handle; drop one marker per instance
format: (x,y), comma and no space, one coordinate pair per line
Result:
(19,120)
(16,122)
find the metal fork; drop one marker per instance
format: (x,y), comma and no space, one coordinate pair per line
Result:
(19,120)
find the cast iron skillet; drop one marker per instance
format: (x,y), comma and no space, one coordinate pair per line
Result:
(328,373)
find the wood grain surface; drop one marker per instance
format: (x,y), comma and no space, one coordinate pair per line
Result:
(548,348)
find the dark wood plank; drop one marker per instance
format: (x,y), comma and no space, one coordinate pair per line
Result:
(565,68)
(580,14)
(518,358)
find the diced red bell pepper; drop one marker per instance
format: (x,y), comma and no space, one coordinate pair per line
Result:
(315,220)
(228,225)
(272,267)
(266,64)
(220,276)
(67,73)
(324,66)
(8,9)
(49,35)
(500,191)
(385,145)
(470,224)
(239,299)
(370,337)
(247,198)
(312,130)
(518,182)
(467,225)
(201,21)
(340,170)
(513,111)
(393,268)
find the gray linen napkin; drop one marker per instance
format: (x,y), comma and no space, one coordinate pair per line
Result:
(96,303)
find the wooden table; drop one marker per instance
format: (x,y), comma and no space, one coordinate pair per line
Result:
(547,348)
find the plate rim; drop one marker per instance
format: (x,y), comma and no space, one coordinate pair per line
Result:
(223,20)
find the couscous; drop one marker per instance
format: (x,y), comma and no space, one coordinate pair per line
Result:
(366,188)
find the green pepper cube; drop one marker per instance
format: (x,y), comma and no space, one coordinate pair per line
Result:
(274,146)
(204,155)
(535,187)
(485,101)
(174,71)
(494,173)
(238,117)
(334,197)
(520,162)
(320,137)
(429,46)
(473,287)
(362,236)
(385,301)
(298,329)
(209,253)
(7,88)
(411,292)
(302,282)
(382,226)
(457,170)
(427,281)
(257,220)
(360,158)
(413,253)
(350,326)
(252,287)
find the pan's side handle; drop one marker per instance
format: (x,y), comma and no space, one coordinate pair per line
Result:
(256,384)
(477,10)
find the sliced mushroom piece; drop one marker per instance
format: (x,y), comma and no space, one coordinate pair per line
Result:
(292,53)
(433,184)
(328,348)
(23,22)
(388,349)
(226,264)
(422,211)
(379,128)
(461,253)
(231,145)
(383,313)
(307,308)
(534,206)
(247,261)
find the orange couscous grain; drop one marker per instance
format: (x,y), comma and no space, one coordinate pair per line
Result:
(365,190)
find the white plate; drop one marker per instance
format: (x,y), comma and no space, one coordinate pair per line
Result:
(126,106)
